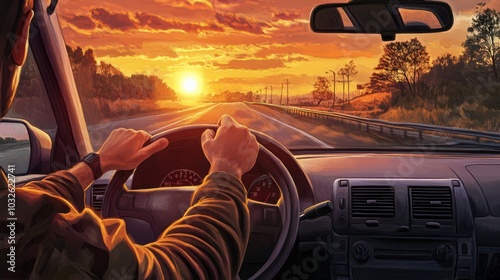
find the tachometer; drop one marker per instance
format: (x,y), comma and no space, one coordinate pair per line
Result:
(264,189)
(181,177)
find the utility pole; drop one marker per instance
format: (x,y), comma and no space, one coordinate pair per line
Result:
(342,72)
(281,95)
(265,99)
(334,87)
(271,94)
(287,92)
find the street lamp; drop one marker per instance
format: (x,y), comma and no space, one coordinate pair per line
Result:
(265,99)
(334,87)
(281,95)
(342,72)
(287,91)
(271,94)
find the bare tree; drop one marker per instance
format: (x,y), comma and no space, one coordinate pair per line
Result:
(349,72)
(402,65)
(321,90)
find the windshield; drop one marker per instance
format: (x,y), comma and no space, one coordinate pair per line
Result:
(155,65)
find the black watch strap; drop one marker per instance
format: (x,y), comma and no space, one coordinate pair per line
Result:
(94,162)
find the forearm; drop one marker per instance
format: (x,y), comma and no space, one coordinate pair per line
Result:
(83,174)
(217,225)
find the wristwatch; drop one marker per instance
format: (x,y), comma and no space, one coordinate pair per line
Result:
(94,162)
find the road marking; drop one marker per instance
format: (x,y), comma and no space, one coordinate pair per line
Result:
(307,135)
(184,119)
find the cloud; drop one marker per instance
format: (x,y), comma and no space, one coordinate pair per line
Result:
(114,51)
(159,23)
(140,20)
(80,21)
(334,49)
(189,4)
(469,7)
(118,21)
(298,58)
(294,79)
(286,15)
(252,64)
(241,23)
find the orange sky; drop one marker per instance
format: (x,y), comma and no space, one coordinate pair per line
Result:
(232,44)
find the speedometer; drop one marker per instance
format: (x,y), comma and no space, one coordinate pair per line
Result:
(264,189)
(181,177)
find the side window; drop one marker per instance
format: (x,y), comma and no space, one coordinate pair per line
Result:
(31,102)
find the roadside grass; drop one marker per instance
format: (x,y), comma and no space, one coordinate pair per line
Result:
(471,116)
(477,114)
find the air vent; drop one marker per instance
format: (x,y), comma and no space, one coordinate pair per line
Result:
(98,196)
(431,203)
(372,202)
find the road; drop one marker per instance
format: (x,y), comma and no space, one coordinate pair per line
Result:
(293,132)
(17,155)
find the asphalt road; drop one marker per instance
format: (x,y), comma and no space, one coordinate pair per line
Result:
(17,155)
(293,132)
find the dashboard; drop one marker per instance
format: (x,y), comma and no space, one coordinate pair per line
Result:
(396,215)
(405,216)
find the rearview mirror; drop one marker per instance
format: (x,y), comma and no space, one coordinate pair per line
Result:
(386,18)
(24,148)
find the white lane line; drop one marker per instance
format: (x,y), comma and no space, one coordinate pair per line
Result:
(184,119)
(307,135)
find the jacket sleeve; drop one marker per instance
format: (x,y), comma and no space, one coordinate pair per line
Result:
(208,242)
(60,185)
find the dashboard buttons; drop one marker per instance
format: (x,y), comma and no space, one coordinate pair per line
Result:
(433,225)
(465,249)
(271,216)
(360,251)
(342,220)
(342,203)
(372,223)
(444,253)
(403,229)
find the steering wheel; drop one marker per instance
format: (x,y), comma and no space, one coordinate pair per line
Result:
(148,212)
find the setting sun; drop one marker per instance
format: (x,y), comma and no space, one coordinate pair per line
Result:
(190,85)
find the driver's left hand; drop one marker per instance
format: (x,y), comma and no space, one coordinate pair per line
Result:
(123,150)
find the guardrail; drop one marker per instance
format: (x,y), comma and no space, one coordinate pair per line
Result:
(387,126)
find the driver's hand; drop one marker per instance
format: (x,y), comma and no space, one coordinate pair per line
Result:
(123,150)
(232,149)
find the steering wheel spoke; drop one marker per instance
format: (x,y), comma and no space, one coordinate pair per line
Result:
(264,217)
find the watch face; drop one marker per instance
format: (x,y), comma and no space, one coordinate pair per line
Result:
(90,157)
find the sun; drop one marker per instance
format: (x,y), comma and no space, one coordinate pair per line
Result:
(190,85)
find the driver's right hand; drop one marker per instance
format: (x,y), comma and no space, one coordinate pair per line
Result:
(232,149)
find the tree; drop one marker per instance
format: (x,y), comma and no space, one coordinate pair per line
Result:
(321,90)
(482,45)
(349,72)
(445,68)
(401,66)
